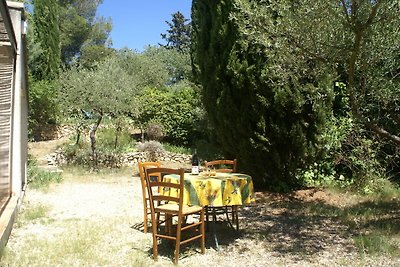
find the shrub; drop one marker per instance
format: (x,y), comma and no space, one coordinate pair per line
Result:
(152,149)
(177,109)
(43,108)
(155,131)
(111,145)
(111,139)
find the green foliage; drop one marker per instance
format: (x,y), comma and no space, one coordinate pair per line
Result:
(176,108)
(43,106)
(107,89)
(266,101)
(112,143)
(146,69)
(155,132)
(176,149)
(366,54)
(176,63)
(39,178)
(97,46)
(83,36)
(178,35)
(107,138)
(79,155)
(46,63)
(74,30)
(93,54)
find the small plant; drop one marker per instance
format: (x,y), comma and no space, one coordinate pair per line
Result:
(39,178)
(152,149)
(35,212)
(375,244)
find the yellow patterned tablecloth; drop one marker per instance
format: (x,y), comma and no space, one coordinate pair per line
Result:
(224,189)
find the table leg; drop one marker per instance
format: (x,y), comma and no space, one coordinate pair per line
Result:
(214,228)
(234,214)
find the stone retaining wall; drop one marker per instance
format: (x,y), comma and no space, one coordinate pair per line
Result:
(57,158)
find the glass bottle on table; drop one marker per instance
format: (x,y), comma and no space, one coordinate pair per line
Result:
(195,163)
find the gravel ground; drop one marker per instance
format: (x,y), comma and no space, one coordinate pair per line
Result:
(273,231)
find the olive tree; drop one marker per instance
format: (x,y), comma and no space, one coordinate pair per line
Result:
(105,90)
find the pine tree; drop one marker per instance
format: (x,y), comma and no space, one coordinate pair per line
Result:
(178,36)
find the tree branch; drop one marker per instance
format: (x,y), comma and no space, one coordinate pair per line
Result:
(382,132)
(346,13)
(372,15)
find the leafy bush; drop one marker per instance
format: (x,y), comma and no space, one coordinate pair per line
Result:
(116,140)
(81,155)
(267,102)
(43,107)
(177,108)
(78,154)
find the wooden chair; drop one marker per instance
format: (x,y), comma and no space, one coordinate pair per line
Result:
(221,165)
(226,166)
(173,208)
(146,201)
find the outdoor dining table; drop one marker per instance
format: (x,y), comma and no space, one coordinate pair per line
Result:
(217,190)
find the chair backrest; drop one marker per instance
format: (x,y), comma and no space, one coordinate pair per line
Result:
(221,165)
(163,186)
(142,166)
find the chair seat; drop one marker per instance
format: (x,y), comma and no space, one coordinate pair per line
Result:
(174,209)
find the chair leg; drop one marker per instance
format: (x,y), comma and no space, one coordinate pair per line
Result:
(235,215)
(168,225)
(154,226)
(202,230)
(146,214)
(178,240)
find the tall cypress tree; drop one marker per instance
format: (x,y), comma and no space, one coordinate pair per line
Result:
(266,101)
(47,37)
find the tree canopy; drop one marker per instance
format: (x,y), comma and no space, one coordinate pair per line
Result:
(269,75)
(45,63)
(82,33)
(267,102)
(178,35)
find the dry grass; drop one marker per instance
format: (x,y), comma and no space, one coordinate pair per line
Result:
(40,149)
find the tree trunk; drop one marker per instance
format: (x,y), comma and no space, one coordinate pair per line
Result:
(118,130)
(78,133)
(92,135)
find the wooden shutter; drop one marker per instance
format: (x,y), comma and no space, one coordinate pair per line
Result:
(6,78)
